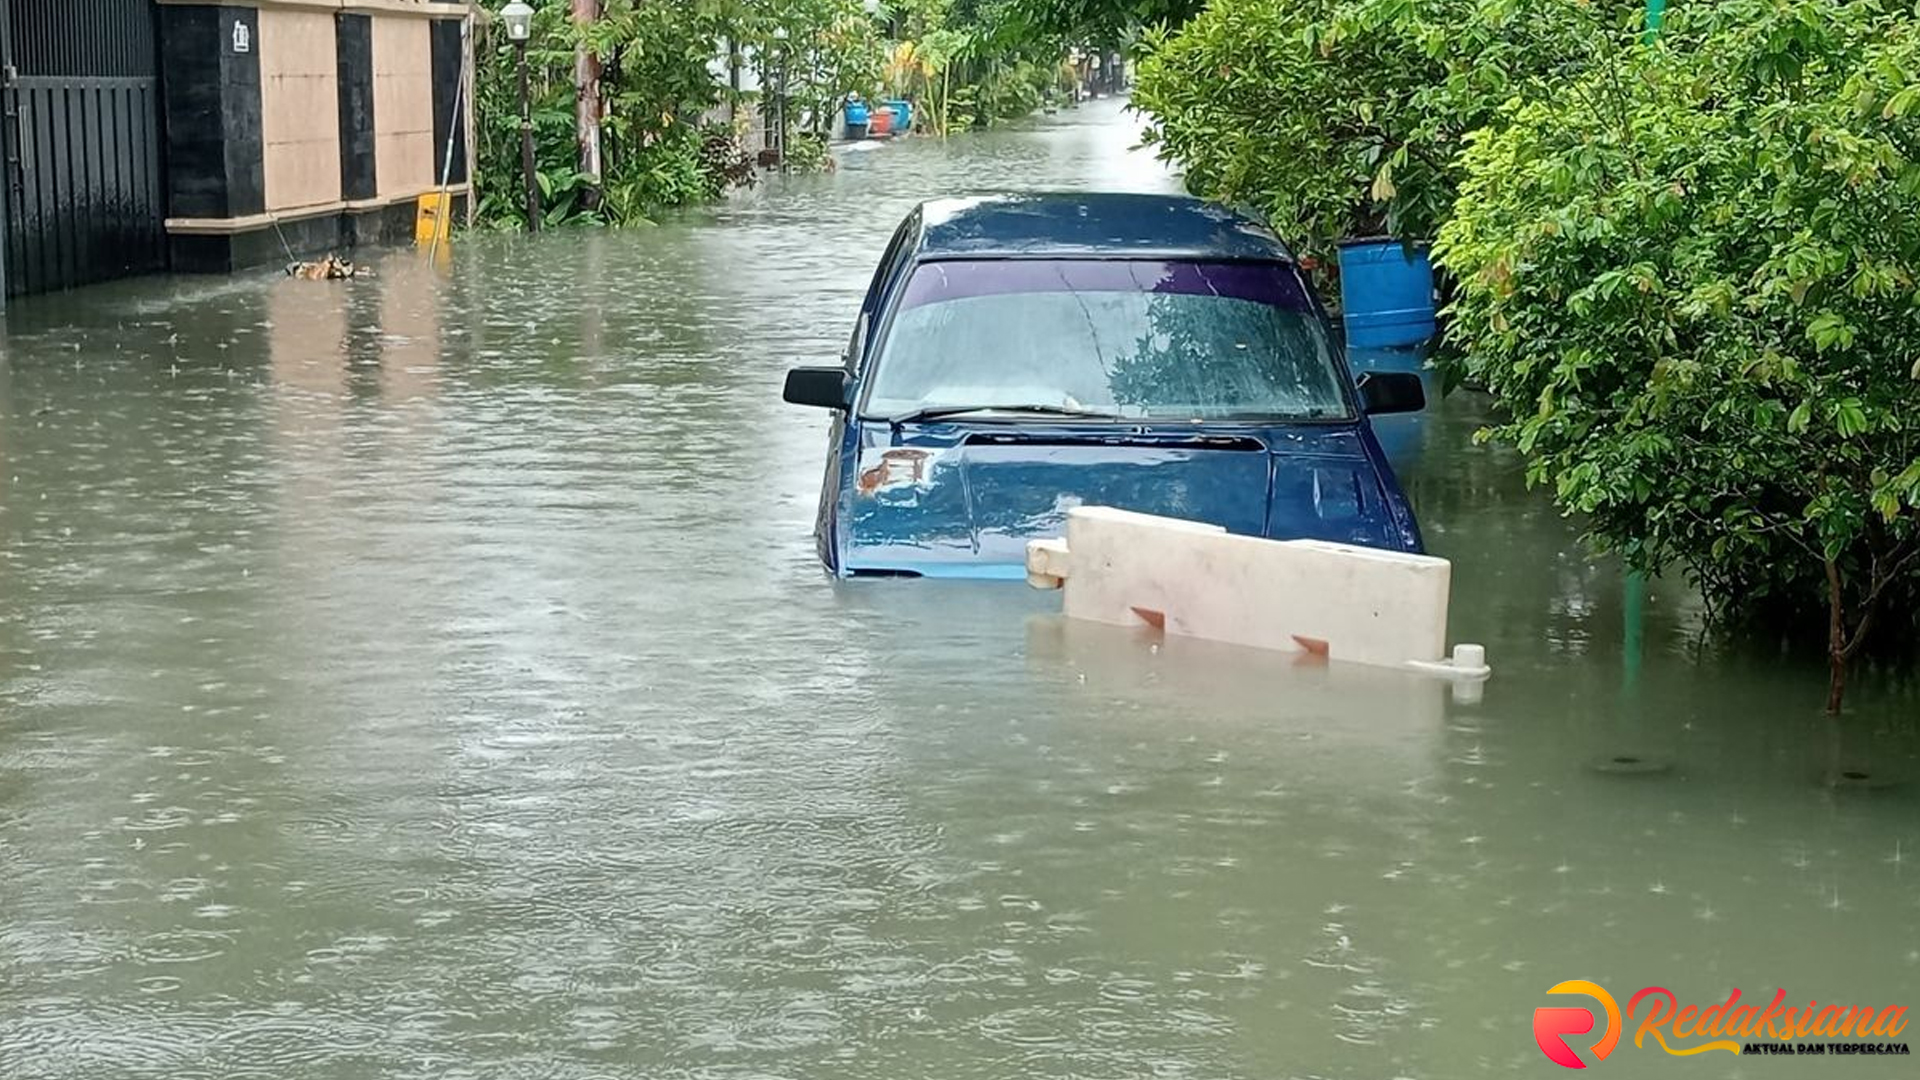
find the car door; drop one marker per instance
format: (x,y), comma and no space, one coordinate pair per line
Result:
(844,437)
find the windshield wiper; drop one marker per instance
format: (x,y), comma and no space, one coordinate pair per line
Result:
(941,412)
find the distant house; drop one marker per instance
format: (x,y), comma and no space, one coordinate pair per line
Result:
(745,78)
(150,135)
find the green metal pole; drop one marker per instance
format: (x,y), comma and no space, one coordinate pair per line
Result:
(1634,606)
(1633,614)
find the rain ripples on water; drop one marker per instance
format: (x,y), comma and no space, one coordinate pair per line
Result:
(430,676)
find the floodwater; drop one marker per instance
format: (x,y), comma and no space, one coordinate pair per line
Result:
(430,676)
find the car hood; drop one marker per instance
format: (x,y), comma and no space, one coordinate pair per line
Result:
(964,503)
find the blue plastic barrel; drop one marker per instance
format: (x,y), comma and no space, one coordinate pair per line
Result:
(902,116)
(857,114)
(1387,293)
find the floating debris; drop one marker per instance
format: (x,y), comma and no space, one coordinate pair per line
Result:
(1629,764)
(1856,778)
(331,268)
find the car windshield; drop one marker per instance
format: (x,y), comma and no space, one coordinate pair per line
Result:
(1126,338)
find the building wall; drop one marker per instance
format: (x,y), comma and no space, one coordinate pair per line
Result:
(317,123)
(300,102)
(403,105)
(748,123)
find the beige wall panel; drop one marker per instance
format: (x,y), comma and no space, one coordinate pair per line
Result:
(299,108)
(403,105)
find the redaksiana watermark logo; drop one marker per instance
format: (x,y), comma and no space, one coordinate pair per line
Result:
(1551,1026)
(1777,1028)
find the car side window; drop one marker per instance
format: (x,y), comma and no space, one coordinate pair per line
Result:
(890,263)
(885,269)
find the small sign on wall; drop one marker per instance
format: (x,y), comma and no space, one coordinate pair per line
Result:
(242,38)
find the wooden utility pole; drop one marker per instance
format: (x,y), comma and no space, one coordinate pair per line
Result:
(586,84)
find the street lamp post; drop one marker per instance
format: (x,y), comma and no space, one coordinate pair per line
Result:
(519,19)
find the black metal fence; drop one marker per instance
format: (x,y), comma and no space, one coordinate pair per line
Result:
(82,37)
(80,118)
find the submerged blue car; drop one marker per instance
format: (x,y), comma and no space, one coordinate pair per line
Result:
(1018,356)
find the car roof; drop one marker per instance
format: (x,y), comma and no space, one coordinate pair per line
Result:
(1084,225)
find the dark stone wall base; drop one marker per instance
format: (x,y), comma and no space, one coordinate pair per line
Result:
(215,156)
(308,237)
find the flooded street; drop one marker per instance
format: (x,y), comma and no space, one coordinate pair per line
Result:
(432,676)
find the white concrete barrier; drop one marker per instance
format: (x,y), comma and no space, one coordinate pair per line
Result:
(1338,601)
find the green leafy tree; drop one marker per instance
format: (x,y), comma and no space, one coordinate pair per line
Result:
(816,54)
(1344,118)
(659,84)
(1690,275)
(656,84)
(970,63)
(1102,21)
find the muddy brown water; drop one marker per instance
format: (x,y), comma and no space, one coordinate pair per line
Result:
(431,676)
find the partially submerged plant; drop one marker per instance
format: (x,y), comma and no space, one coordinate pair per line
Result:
(1690,274)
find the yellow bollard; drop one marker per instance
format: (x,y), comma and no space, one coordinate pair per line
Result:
(433,216)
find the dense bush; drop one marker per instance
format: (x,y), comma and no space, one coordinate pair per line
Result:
(1344,118)
(670,170)
(808,153)
(1690,275)
(1011,91)
(1686,266)
(724,163)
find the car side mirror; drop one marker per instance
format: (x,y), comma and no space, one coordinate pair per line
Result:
(1386,392)
(821,387)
